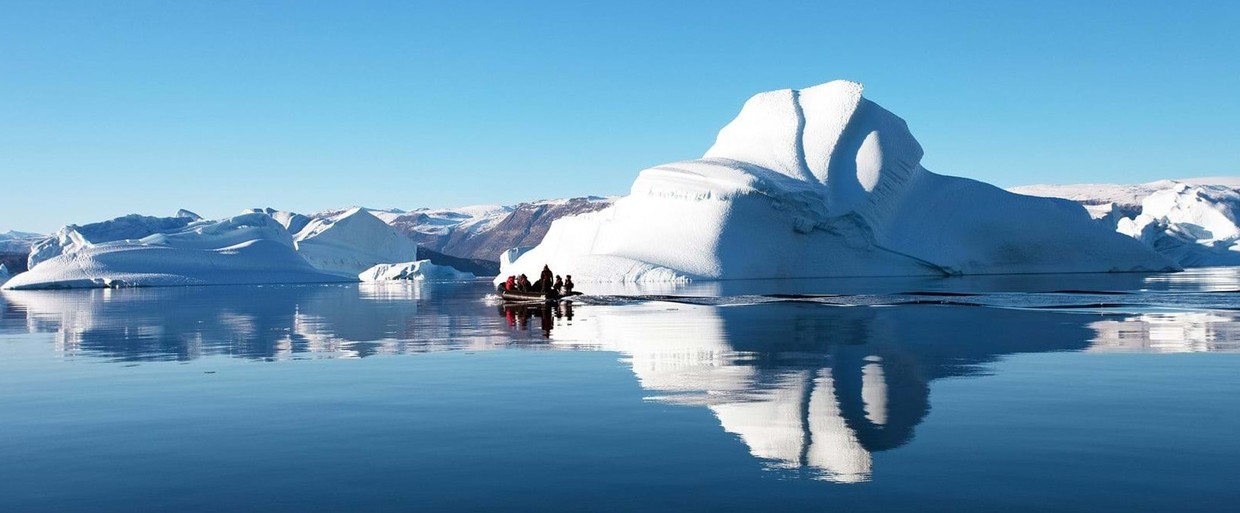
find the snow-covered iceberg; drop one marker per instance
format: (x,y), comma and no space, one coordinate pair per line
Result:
(248,248)
(419,270)
(1195,222)
(1195,225)
(351,242)
(257,246)
(72,238)
(822,182)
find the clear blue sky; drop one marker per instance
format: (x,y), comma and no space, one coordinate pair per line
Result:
(108,108)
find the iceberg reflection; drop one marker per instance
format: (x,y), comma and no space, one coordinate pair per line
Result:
(268,322)
(818,390)
(1169,332)
(810,389)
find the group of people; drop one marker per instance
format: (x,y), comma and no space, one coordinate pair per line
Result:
(548,283)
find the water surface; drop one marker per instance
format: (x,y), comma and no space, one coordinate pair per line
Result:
(1073,393)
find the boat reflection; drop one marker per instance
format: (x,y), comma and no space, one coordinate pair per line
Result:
(519,315)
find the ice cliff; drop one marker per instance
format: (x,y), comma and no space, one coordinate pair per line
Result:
(822,182)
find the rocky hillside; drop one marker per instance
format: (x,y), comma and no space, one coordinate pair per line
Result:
(482,233)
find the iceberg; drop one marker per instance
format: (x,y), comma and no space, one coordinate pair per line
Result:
(73,238)
(351,242)
(245,249)
(822,182)
(257,246)
(1195,225)
(418,270)
(1191,221)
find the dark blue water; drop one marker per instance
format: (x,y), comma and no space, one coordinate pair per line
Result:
(1071,393)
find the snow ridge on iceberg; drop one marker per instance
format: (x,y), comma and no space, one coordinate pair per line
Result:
(822,182)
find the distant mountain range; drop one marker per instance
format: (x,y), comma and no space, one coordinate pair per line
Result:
(478,234)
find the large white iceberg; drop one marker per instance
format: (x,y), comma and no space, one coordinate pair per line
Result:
(822,182)
(249,248)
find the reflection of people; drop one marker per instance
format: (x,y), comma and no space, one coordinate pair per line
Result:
(568,310)
(546,321)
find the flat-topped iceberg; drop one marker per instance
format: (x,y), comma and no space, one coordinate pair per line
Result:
(245,249)
(822,182)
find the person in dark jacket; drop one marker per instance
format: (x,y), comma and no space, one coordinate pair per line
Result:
(546,279)
(568,284)
(523,283)
(559,284)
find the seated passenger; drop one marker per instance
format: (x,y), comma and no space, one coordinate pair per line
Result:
(568,284)
(559,284)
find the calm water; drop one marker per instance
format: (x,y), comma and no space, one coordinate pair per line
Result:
(1072,393)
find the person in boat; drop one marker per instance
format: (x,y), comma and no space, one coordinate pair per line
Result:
(523,284)
(559,284)
(568,284)
(547,279)
(511,284)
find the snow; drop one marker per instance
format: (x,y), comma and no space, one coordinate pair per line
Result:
(4,274)
(822,182)
(418,270)
(248,248)
(352,242)
(1191,221)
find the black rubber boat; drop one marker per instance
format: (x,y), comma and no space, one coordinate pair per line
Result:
(518,296)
